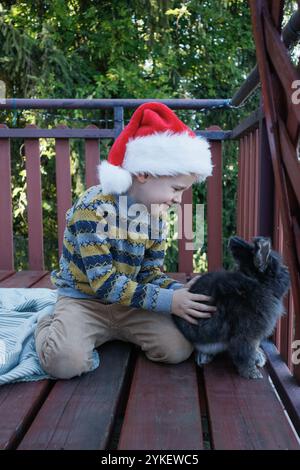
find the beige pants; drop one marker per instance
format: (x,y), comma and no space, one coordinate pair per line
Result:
(65,340)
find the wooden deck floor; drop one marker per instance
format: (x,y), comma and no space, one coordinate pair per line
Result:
(131,403)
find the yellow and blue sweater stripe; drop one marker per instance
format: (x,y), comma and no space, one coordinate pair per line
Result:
(124,269)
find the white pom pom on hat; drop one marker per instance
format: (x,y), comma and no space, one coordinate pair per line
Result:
(157,142)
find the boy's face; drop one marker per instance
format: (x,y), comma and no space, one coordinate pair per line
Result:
(163,190)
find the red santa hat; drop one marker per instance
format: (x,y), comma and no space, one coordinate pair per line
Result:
(157,142)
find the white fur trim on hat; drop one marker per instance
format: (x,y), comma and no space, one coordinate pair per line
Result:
(113,179)
(159,154)
(169,153)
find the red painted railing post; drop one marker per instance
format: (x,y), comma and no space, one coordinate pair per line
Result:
(92,160)
(63,184)
(214,207)
(34,204)
(185,259)
(6,223)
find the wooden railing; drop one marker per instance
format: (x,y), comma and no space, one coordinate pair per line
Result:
(282,119)
(91,135)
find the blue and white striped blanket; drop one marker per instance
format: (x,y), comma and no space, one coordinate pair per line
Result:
(20,310)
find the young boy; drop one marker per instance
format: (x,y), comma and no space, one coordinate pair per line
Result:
(110,285)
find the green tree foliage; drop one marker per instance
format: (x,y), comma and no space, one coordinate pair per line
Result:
(121,49)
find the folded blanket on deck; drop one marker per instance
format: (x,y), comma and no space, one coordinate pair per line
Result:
(20,310)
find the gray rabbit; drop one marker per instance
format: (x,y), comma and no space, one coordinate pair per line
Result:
(249,302)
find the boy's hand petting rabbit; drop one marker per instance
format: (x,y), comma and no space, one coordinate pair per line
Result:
(188,306)
(248,302)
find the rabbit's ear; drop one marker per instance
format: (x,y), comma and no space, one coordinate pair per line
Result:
(262,249)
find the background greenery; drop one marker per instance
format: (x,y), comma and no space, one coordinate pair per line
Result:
(121,49)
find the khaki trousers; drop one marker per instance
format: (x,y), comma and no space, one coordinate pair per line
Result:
(66,339)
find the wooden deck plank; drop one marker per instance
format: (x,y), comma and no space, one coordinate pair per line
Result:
(79,413)
(24,279)
(45,282)
(163,410)
(5,274)
(244,414)
(20,402)
(286,384)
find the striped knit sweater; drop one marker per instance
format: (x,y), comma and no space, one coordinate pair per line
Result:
(123,269)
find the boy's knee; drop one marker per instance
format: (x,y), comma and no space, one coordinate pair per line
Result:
(60,357)
(171,354)
(65,363)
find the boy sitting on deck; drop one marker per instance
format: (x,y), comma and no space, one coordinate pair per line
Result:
(110,285)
